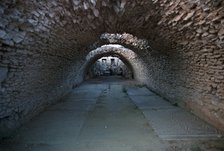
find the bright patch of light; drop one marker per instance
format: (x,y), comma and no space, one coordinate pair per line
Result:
(113,45)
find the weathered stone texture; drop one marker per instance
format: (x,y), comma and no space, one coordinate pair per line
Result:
(43,44)
(198,64)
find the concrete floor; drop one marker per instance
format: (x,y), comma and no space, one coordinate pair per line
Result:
(108,115)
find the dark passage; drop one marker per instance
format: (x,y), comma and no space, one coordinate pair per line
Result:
(109,66)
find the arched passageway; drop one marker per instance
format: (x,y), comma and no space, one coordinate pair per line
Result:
(45,46)
(129,57)
(110,66)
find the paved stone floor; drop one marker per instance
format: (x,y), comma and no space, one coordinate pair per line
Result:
(170,122)
(114,115)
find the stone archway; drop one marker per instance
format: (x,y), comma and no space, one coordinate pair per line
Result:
(129,57)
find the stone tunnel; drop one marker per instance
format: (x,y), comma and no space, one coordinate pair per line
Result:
(174,47)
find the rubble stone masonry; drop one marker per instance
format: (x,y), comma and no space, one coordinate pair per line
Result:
(43,44)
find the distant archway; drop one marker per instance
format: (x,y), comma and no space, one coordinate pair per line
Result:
(130,58)
(98,67)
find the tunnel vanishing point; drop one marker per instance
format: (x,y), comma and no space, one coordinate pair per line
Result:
(174,47)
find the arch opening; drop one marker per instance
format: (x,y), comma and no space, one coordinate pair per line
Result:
(134,63)
(110,65)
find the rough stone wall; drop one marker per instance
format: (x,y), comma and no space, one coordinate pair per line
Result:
(194,67)
(34,73)
(44,43)
(30,83)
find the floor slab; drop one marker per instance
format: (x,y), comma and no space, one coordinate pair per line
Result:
(150,102)
(171,122)
(136,91)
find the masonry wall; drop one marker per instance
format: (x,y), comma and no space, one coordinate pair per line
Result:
(30,83)
(34,73)
(191,73)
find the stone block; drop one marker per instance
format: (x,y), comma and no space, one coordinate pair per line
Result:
(3,73)
(8,42)
(189,15)
(18,37)
(33,22)
(2,34)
